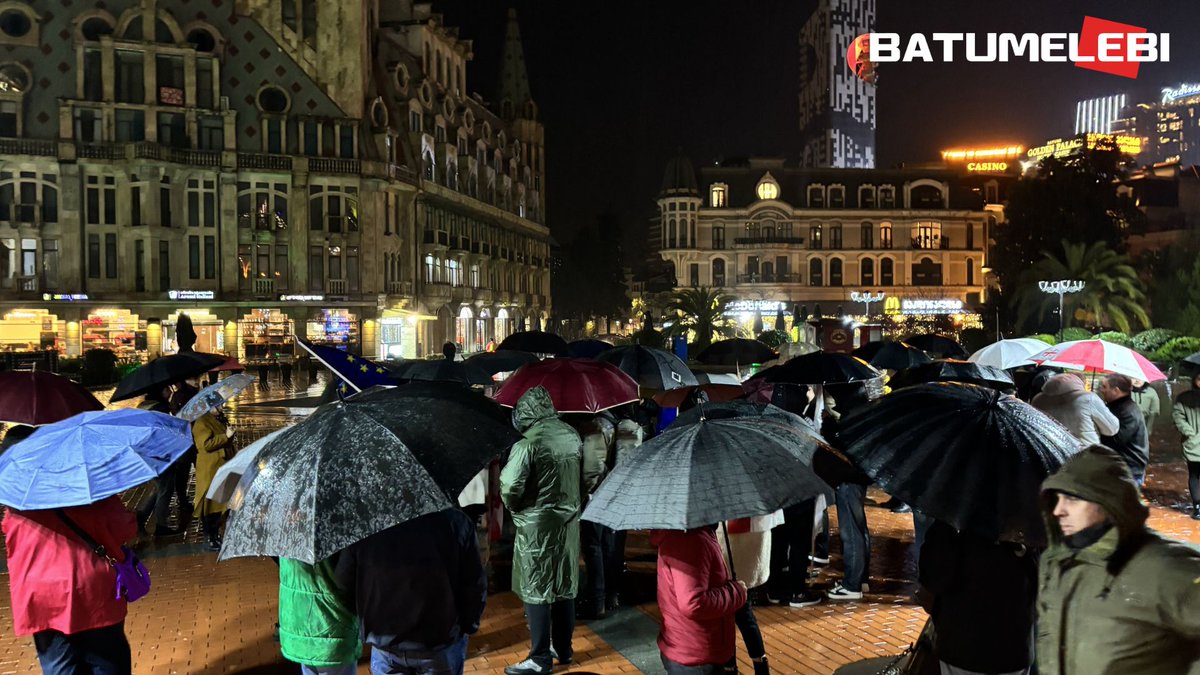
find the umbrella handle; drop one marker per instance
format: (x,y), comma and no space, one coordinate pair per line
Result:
(729,550)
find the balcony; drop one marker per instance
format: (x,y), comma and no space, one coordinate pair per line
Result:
(264,288)
(399,288)
(264,162)
(768,241)
(786,278)
(27,284)
(483,295)
(437,292)
(148,150)
(931,243)
(334,165)
(97,151)
(24,146)
(335,286)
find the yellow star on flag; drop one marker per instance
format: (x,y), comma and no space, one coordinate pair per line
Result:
(364,368)
(349,358)
(379,370)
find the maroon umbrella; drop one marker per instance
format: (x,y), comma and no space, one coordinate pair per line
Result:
(40,397)
(575,385)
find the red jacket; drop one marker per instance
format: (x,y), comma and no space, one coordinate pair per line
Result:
(697,598)
(55,579)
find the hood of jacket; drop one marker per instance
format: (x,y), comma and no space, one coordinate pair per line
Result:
(1099,475)
(1063,385)
(533,406)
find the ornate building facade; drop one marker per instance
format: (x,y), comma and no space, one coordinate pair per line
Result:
(275,168)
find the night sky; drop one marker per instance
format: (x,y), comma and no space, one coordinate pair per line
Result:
(624,85)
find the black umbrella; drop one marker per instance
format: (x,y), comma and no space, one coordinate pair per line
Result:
(734,352)
(891,355)
(953,370)
(440,370)
(164,371)
(588,349)
(652,368)
(967,455)
(819,368)
(1190,365)
(490,363)
(764,412)
(937,345)
(535,342)
(706,473)
(360,466)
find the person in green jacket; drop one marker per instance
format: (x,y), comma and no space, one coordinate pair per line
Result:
(1186,415)
(1114,597)
(317,625)
(1148,401)
(540,486)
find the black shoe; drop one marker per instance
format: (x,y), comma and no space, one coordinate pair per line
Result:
(891,504)
(902,508)
(803,600)
(561,661)
(214,543)
(761,667)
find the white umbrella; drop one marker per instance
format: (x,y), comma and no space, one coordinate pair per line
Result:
(227,477)
(1007,354)
(1098,356)
(718,378)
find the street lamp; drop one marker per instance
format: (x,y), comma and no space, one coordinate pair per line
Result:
(866,298)
(1061,287)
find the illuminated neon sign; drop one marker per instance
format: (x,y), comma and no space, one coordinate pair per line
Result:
(64,297)
(1182,91)
(1066,147)
(191,295)
(987,166)
(301,298)
(991,154)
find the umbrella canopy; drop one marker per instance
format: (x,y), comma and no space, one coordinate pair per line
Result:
(891,355)
(953,370)
(763,412)
(1190,364)
(575,385)
(652,368)
(588,349)
(937,345)
(215,396)
(38,397)
(706,473)
(737,351)
(819,368)
(967,455)
(89,457)
(441,370)
(165,371)
(1005,354)
(491,363)
(226,479)
(718,378)
(535,342)
(1099,356)
(231,364)
(360,466)
(673,398)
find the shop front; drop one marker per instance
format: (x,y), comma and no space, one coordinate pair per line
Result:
(400,333)
(265,336)
(115,329)
(338,328)
(30,330)
(210,332)
(464,331)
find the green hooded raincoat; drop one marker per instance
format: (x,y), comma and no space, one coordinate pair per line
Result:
(540,486)
(1129,603)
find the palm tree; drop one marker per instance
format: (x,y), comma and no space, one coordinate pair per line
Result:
(1113,295)
(700,311)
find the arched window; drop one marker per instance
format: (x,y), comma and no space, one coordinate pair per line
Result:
(835,272)
(925,197)
(927,273)
(429,279)
(753,231)
(463,328)
(815,239)
(672,234)
(867,233)
(887,197)
(768,230)
(718,237)
(970,271)
(718,272)
(867,272)
(717,195)
(885,235)
(887,274)
(452,271)
(837,197)
(767,188)
(835,236)
(816,272)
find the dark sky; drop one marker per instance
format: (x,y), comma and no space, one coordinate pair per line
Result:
(623,85)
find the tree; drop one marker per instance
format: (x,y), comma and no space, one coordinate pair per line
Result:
(590,283)
(1113,294)
(700,311)
(1176,283)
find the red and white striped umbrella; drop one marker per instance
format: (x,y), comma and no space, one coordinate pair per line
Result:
(1098,356)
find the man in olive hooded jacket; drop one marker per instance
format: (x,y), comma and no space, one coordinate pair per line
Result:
(1114,597)
(540,486)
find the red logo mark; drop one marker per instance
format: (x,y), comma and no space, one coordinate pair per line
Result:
(1089,38)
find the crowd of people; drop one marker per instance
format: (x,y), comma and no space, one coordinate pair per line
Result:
(1107,595)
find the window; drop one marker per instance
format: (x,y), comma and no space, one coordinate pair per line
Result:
(816,196)
(885,235)
(887,197)
(887,272)
(835,272)
(164,202)
(139,265)
(308,20)
(867,232)
(816,272)
(866,268)
(93,256)
(193,257)
(767,188)
(135,206)
(50,262)
(263,206)
(837,197)
(164,265)
(172,130)
(970,236)
(752,270)
(93,75)
(282,272)
(429,269)
(835,236)
(718,271)
(110,256)
(204,81)
(316,268)
(866,197)
(694,274)
(202,202)
(210,257)
(95,27)
(927,273)
(352,268)
(311,138)
(814,237)
(273,100)
(100,205)
(130,81)
(333,208)
(273,135)
(991,192)
(928,235)
(925,197)
(131,125)
(169,71)
(346,141)
(10,119)
(289,14)
(211,131)
(262,261)
(717,196)
(244,271)
(27,196)
(87,125)
(202,40)
(970,271)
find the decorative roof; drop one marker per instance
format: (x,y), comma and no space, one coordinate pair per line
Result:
(514,78)
(679,180)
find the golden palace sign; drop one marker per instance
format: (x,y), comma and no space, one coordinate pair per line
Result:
(1067,147)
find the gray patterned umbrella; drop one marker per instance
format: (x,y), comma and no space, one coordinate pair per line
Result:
(708,472)
(360,466)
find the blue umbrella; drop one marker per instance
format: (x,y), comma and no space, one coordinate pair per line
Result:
(89,457)
(214,396)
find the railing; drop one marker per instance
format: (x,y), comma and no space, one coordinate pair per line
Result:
(437,290)
(264,287)
(261,161)
(767,241)
(789,278)
(335,286)
(27,284)
(148,150)
(334,165)
(102,152)
(194,157)
(25,146)
(399,288)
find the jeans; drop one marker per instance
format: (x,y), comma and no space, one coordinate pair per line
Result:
(598,543)
(1194,481)
(790,544)
(680,669)
(447,661)
(856,538)
(101,651)
(347,669)
(550,624)
(747,625)
(614,567)
(921,523)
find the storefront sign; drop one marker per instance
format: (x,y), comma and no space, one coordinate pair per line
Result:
(946,306)
(301,298)
(987,166)
(64,297)
(1075,145)
(755,305)
(191,295)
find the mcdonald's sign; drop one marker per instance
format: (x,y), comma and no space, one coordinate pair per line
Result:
(891,305)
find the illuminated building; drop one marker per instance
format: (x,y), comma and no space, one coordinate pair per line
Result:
(837,108)
(999,159)
(769,230)
(1169,126)
(1096,115)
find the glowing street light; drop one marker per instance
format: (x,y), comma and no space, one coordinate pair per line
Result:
(1061,287)
(866,298)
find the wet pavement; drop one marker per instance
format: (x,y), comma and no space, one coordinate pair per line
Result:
(209,618)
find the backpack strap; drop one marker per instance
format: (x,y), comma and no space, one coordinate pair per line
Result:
(96,546)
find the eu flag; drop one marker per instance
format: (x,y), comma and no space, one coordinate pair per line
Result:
(357,372)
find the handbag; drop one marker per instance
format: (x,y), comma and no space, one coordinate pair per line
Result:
(133,579)
(919,658)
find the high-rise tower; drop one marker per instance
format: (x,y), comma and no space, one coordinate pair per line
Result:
(837,109)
